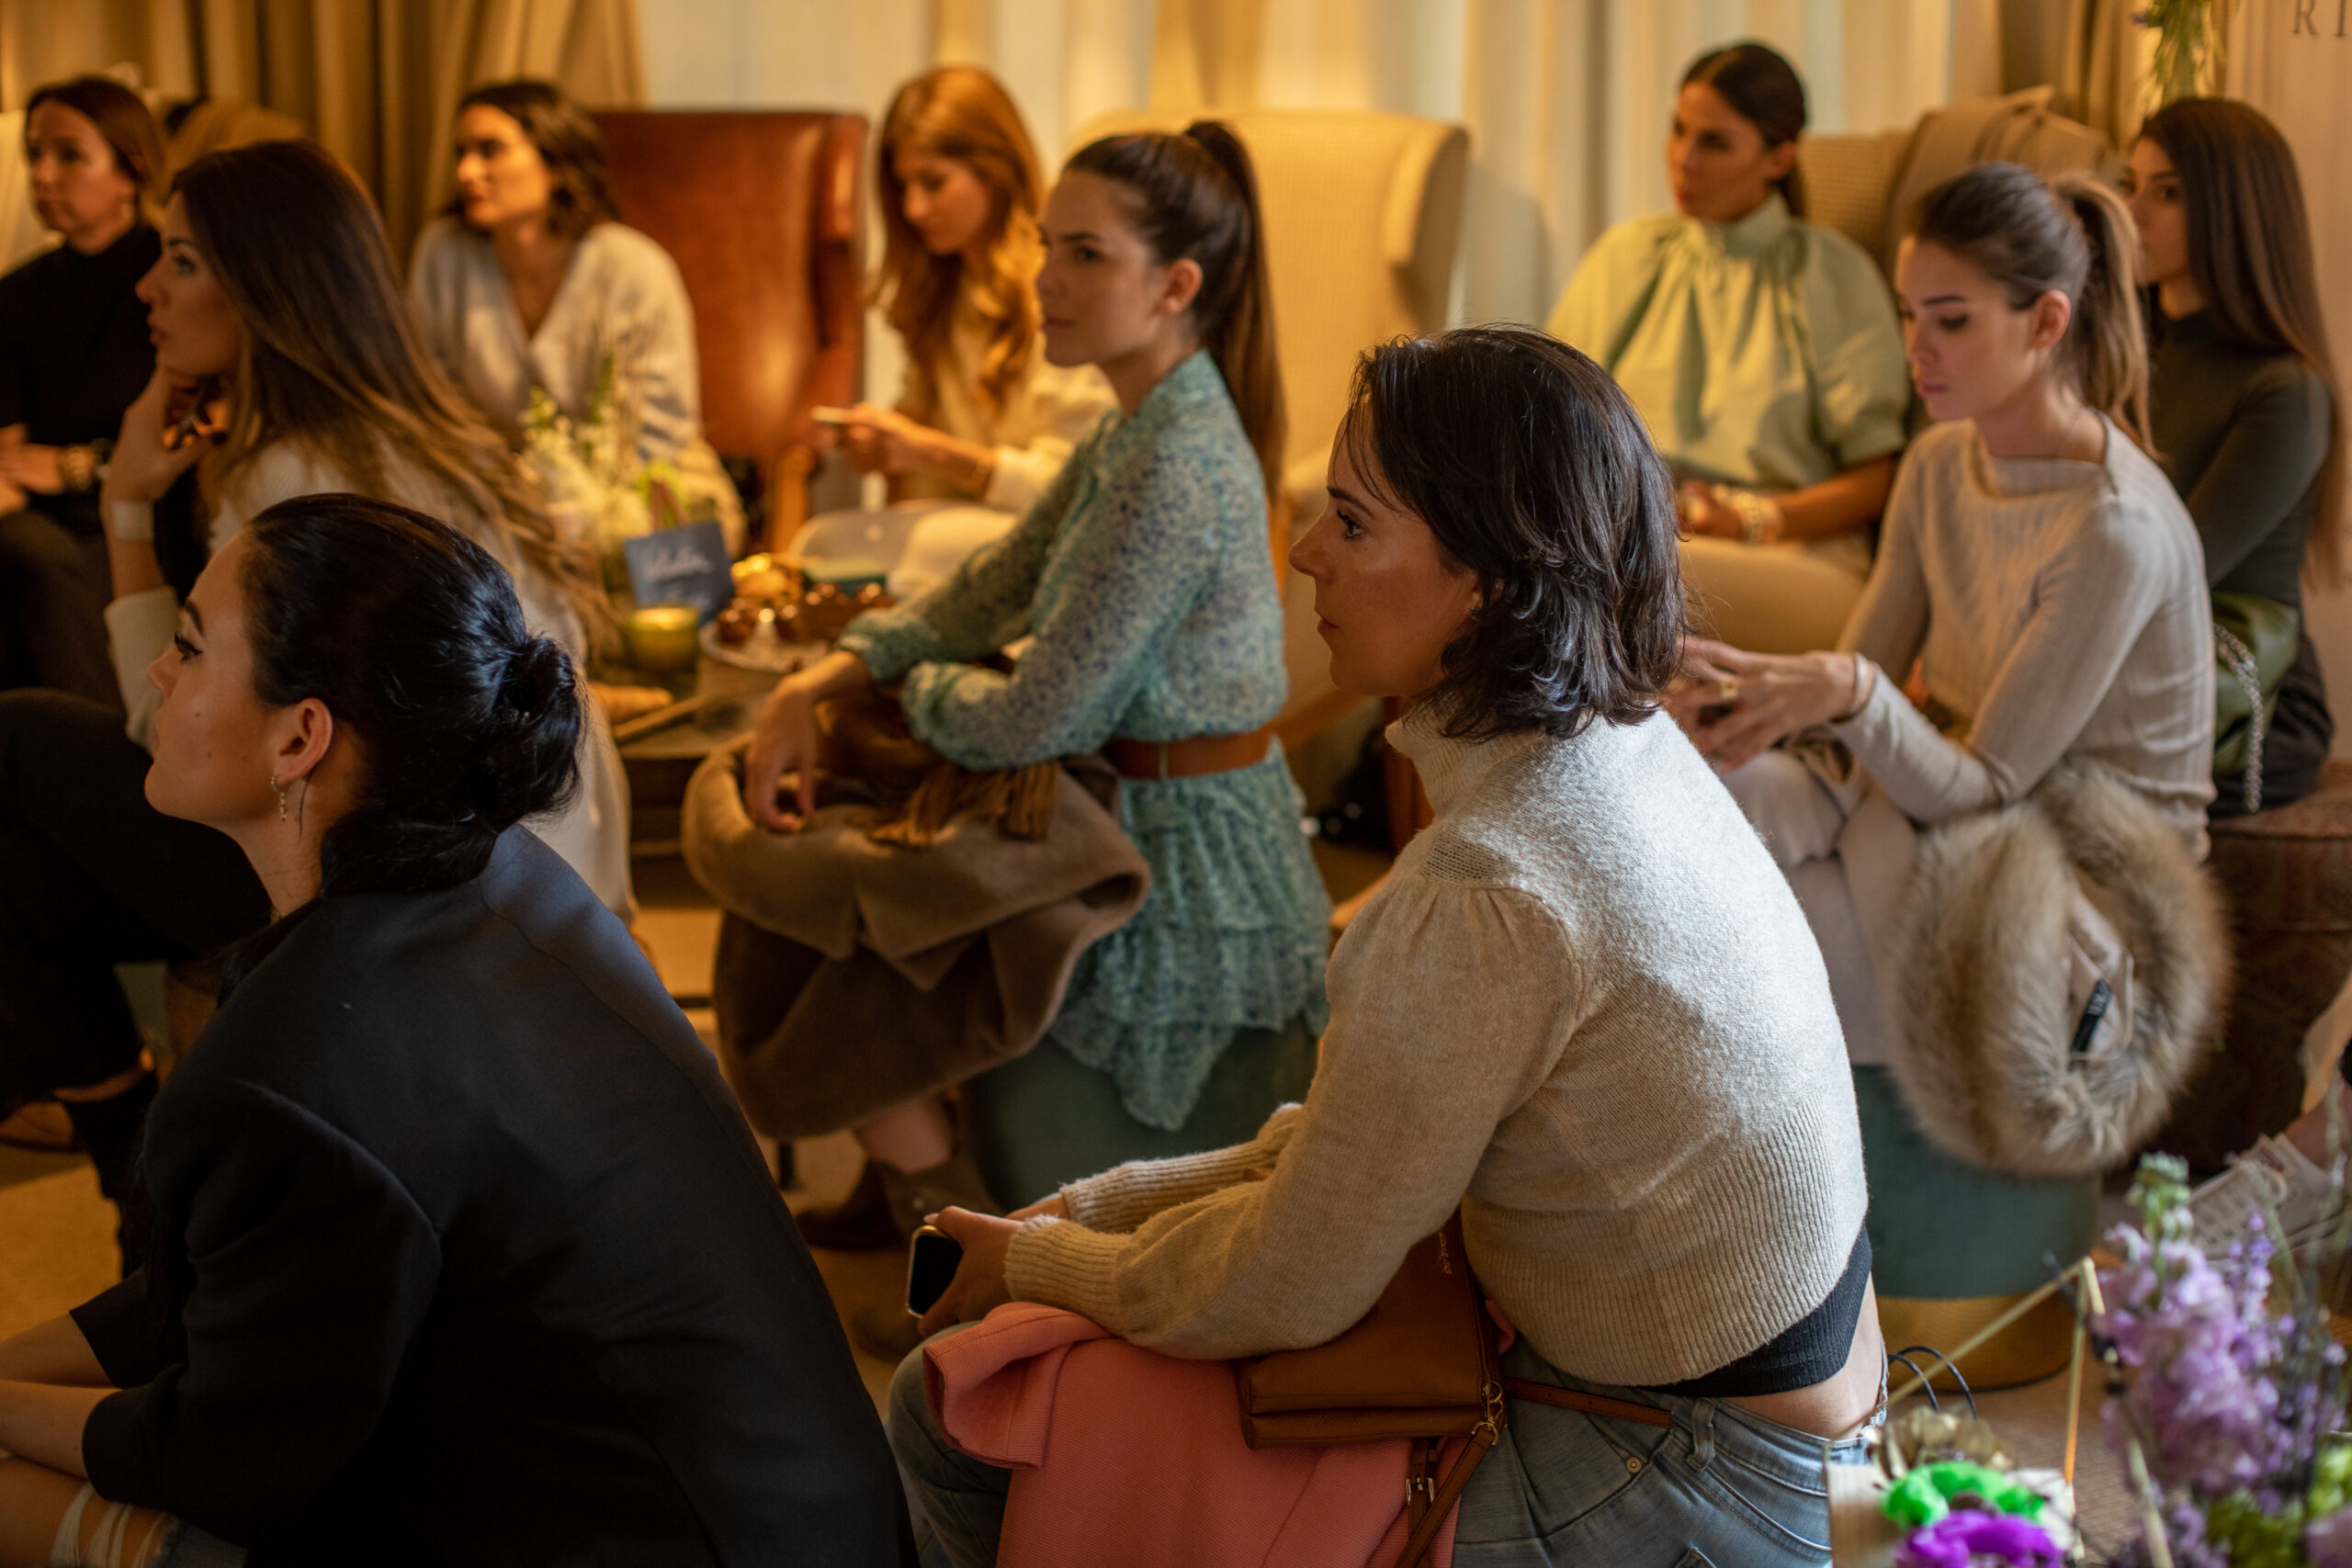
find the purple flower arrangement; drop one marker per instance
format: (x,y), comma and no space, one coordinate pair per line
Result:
(2226,1391)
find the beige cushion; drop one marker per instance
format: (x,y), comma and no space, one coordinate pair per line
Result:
(1846,179)
(1864,186)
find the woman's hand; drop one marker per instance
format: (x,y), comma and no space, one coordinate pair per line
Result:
(1702,514)
(150,454)
(882,441)
(1769,696)
(785,739)
(26,466)
(978,1287)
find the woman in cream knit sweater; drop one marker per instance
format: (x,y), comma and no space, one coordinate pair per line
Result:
(1584,1007)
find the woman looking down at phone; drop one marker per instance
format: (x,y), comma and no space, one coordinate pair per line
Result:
(463,1253)
(1143,576)
(985,417)
(2038,568)
(1583,1007)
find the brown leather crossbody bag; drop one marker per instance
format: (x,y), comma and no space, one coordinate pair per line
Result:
(1423,1364)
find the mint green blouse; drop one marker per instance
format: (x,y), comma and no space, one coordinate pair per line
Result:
(1142,574)
(1762,352)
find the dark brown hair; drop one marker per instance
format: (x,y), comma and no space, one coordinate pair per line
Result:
(567,142)
(1196,195)
(122,118)
(1763,89)
(962,112)
(1532,470)
(2072,236)
(331,361)
(463,723)
(2250,251)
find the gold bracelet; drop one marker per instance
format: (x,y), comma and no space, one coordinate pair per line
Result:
(1760,520)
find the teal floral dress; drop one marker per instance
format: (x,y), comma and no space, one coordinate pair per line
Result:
(1142,575)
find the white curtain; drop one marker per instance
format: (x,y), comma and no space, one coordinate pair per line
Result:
(1567,100)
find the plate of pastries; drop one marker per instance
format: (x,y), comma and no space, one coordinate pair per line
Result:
(786,613)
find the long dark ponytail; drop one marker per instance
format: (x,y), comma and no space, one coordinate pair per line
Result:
(1196,195)
(410,633)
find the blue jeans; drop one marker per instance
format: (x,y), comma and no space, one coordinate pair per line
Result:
(1720,1487)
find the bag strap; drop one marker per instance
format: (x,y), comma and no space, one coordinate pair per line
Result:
(1489,1432)
(1483,1437)
(1591,1404)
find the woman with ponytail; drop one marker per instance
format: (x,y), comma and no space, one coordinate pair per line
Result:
(463,1253)
(2038,568)
(2027,683)
(1144,577)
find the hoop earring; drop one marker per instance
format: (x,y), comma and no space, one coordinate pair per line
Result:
(279,790)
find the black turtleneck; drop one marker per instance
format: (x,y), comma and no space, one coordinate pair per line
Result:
(73,348)
(2243,434)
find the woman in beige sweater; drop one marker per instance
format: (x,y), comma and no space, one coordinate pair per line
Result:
(1584,1008)
(2038,569)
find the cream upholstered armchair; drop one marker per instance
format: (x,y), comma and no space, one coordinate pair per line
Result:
(1363,213)
(1863,186)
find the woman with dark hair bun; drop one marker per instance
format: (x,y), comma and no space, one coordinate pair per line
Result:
(530,280)
(462,1252)
(1583,1009)
(1763,350)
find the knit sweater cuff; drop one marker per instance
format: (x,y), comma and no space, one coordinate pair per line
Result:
(1126,1196)
(1065,1265)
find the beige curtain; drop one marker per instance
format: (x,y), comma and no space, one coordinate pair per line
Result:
(1567,100)
(378,81)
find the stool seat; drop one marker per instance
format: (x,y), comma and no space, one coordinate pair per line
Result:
(1952,1248)
(2287,877)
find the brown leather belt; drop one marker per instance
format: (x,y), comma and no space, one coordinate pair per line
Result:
(1185,759)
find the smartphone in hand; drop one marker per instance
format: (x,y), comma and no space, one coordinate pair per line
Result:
(932,1258)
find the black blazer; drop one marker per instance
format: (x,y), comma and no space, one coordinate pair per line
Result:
(482,1265)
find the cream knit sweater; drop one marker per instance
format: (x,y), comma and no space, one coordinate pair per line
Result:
(1585,997)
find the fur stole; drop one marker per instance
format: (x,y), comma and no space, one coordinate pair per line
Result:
(2011,912)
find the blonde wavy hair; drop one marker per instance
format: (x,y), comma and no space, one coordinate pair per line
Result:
(331,361)
(963,113)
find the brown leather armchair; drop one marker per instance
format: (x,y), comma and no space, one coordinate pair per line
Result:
(761,211)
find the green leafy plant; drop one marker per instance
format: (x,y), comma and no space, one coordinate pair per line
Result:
(2193,47)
